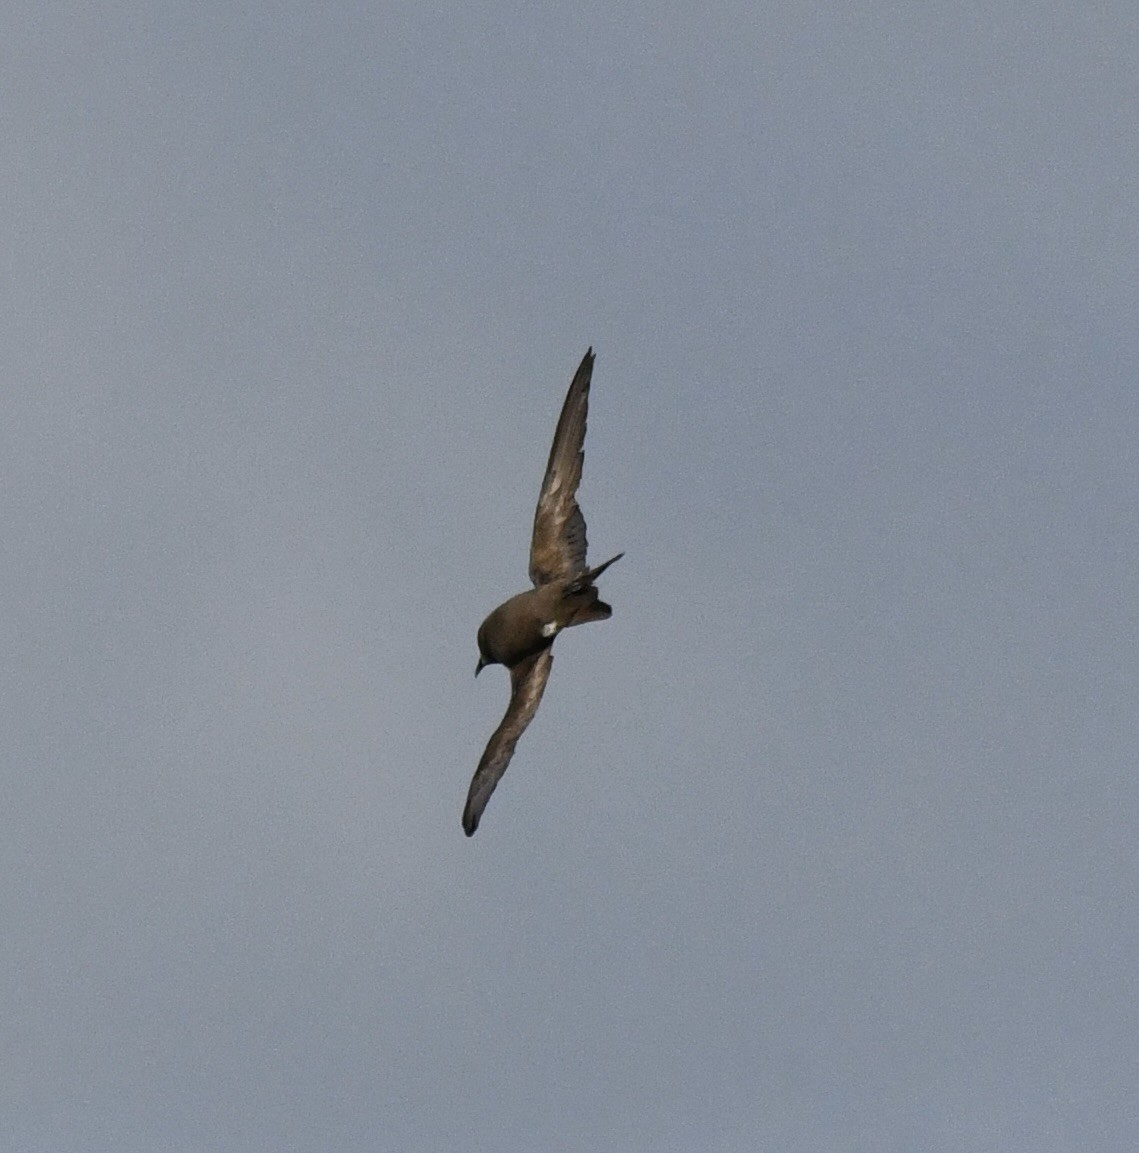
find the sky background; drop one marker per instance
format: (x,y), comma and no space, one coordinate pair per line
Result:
(829,840)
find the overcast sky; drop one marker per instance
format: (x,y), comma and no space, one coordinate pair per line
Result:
(827,841)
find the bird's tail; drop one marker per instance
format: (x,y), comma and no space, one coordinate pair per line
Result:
(594,573)
(589,575)
(585,607)
(581,597)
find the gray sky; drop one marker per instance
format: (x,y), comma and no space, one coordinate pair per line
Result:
(828,840)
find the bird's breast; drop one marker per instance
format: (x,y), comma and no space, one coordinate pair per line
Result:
(520,627)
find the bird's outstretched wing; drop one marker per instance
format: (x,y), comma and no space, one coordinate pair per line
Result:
(527,683)
(557,547)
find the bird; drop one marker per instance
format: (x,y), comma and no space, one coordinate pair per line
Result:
(520,632)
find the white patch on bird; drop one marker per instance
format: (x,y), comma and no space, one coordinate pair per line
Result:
(550,629)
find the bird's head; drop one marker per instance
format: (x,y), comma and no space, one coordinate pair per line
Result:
(484,657)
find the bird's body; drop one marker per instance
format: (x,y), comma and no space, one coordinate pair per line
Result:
(520,632)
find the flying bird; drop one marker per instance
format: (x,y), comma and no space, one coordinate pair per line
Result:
(520,632)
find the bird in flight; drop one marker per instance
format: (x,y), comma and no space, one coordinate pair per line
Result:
(520,632)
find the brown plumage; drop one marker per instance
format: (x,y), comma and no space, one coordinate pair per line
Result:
(520,632)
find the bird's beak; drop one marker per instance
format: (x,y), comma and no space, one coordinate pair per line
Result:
(480,666)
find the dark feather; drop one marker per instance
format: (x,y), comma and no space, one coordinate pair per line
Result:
(527,683)
(558,544)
